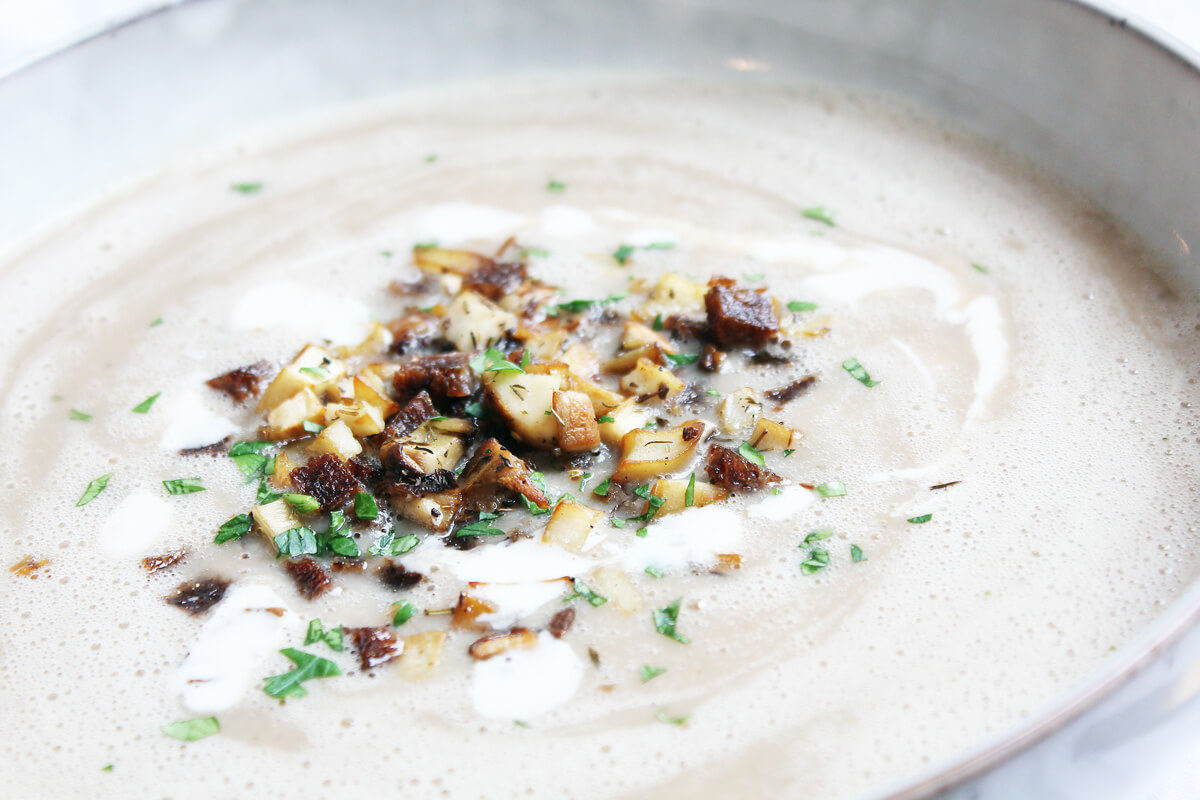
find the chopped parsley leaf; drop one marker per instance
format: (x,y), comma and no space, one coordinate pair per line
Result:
(663,716)
(659,246)
(653,504)
(665,620)
(817,560)
(712,392)
(606,419)
(302,503)
(800,305)
(817,536)
(264,494)
(404,612)
(689,494)
(235,528)
(602,489)
(623,253)
(682,359)
(921,520)
(480,527)
(747,451)
(617,523)
(365,506)
(300,541)
(657,325)
(654,572)
(144,406)
(308,666)
(247,188)
(788,451)
(580,589)
(390,545)
(156,322)
(492,360)
(189,730)
(107,768)
(587,476)
(556,186)
(474,409)
(432,157)
(577,306)
(980,268)
(649,673)
(79,415)
(857,372)
(832,489)
(818,214)
(94,488)
(641,532)
(756,276)
(535,252)
(183,485)
(425,245)
(856,554)
(333,637)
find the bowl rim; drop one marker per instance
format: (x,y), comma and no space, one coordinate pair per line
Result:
(1179,617)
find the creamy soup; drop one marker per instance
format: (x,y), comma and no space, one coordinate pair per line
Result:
(1020,348)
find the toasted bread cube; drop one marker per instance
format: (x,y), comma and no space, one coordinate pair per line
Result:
(369,389)
(620,420)
(577,428)
(771,435)
(570,525)
(673,295)
(440,260)
(648,378)
(275,518)
(313,368)
(337,438)
(637,335)
(674,495)
(739,411)
(474,323)
(363,419)
(648,454)
(497,643)
(581,359)
(525,402)
(286,420)
(421,654)
(612,582)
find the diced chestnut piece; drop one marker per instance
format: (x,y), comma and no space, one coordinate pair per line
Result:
(328,480)
(393,575)
(740,316)
(497,643)
(711,359)
(242,382)
(495,280)
(310,577)
(730,470)
(785,394)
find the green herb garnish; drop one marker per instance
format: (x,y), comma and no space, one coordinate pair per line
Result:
(605,420)
(425,245)
(856,554)
(94,488)
(817,536)
(832,489)
(657,324)
(601,489)
(390,545)
(183,485)
(818,214)
(580,589)
(308,666)
(235,528)
(665,620)
(156,322)
(788,451)
(492,360)
(480,527)
(980,268)
(79,415)
(587,476)
(404,612)
(817,560)
(144,406)
(300,541)
(857,372)
(800,305)
(302,503)
(333,637)
(247,188)
(623,253)
(577,306)
(921,520)
(654,572)
(682,359)
(689,494)
(189,730)
(747,451)
(663,716)
(755,276)
(365,506)
(649,673)
(556,186)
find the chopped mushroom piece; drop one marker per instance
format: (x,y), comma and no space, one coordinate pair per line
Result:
(439,260)
(651,380)
(275,518)
(740,316)
(570,525)
(445,377)
(674,494)
(467,610)
(577,428)
(474,323)
(739,411)
(614,584)
(526,404)
(497,643)
(730,470)
(336,438)
(648,454)
(493,474)
(674,295)
(314,368)
(618,421)
(286,420)
(771,435)
(435,511)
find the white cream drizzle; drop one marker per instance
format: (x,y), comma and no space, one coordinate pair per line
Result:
(191,423)
(694,536)
(515,562)
(272,306)
(456,222)
(228,654)
(790,501)
(524,683)
(515,601)
(134,525)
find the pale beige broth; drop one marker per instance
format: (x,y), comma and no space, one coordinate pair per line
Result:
(1073,526)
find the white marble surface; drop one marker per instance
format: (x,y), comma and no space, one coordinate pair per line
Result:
(1141,743)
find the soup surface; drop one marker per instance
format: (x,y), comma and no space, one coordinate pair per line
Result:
(1024,351)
